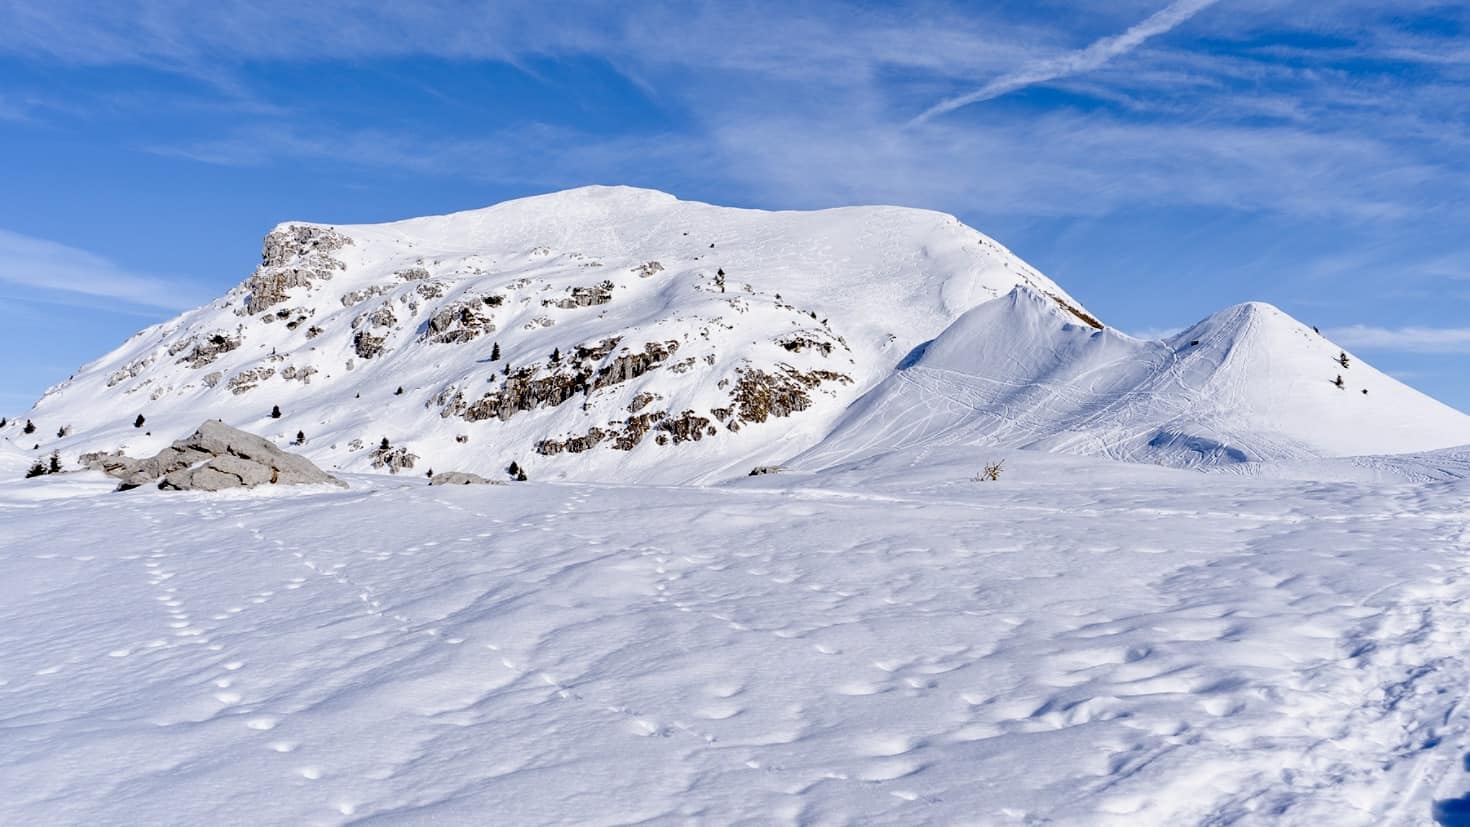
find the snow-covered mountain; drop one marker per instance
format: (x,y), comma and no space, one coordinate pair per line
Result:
(638,336)
(1247,384)
(618,333)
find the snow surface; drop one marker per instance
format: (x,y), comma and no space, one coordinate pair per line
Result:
(1083,642)
(1249,384)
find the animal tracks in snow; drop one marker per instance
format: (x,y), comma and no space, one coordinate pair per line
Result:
(1118,655)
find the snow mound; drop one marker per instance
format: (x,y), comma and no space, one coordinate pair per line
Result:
(1247,384)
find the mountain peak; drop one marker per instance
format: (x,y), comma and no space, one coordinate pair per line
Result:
(592,333)
(1246,383)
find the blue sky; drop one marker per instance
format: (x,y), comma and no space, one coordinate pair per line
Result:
(1159,159)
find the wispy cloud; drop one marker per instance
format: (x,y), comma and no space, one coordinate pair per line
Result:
(1074,63)
(1404,339)
(39,264)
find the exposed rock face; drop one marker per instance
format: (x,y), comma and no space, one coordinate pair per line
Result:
(459,322)
(1086,317)
(394,459)
(360,296)
(246,380)
(524,390)
(625,436)
(580,296)
(686,427)
(366,345)
(291,257)
(213,458)
(461,478)
(130,371)
(202,351)
(796,343)
(633,365)
(759,395)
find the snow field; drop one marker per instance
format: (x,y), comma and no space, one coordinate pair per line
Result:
(1083,642)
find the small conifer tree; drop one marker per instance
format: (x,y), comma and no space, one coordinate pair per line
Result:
(30,427)
(1338,381)
(398,392)
(514,470)
(275,412)
(37,469)
(383,446)
(495,352)
(555,355)
(300,437)
(53,465)
(138,423)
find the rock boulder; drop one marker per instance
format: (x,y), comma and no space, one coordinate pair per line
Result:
(461,478)
(213,458)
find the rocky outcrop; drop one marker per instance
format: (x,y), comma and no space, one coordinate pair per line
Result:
(625,436)
(1087,318)
(246,380)
(759,395)
(686,427)
(359,296)
(366,345)
(215,457)
(523,390)
(797,342)
(633,365)
(582,296)
(125,373)
(461,478)
(394,459)
(647,269)
(459,322)
(293,256)
(204,350)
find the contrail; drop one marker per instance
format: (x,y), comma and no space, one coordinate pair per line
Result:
(1074,63)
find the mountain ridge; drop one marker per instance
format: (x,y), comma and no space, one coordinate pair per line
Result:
(625,319)
(620,333)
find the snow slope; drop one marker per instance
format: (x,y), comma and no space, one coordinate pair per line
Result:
(1081,643)
(1247,384)
(693,339)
